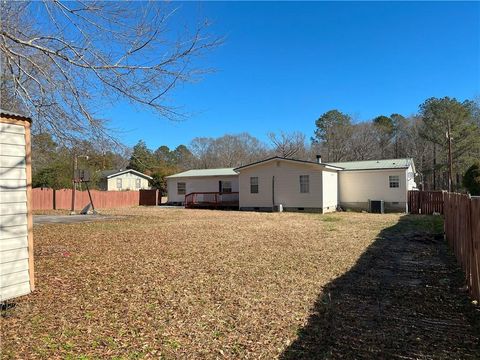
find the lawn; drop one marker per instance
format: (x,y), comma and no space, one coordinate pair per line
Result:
(174,283)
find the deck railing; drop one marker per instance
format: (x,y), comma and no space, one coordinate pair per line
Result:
(211,199)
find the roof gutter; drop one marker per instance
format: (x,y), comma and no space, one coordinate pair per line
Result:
(382,169)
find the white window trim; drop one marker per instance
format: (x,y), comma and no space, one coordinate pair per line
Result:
(254,184)
(119,181)
(184,188)
(229,188)
(391,181)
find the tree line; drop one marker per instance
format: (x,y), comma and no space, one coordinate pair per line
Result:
(444,129)
(424,136)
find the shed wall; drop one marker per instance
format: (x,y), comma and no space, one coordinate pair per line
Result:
(16,242)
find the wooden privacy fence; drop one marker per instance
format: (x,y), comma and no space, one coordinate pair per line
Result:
(43,199)
(462,230)
(49,199)
(425,202)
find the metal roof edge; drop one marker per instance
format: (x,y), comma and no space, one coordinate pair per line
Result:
(326,165)
(378,169)
(128,170)
(184,174)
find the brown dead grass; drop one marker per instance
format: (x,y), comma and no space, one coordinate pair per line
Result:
(174,283)
(51,212)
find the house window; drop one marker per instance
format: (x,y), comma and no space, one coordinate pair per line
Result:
(226,187)
(304,184)
(181,188)
(394,181)
(119,183)
(254,185)
(138,183)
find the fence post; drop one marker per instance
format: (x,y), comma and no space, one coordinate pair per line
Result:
(470,256)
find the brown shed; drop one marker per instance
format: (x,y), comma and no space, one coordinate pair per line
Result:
(16,228)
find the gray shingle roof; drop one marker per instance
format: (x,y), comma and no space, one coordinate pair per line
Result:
(375,164)
(204,172)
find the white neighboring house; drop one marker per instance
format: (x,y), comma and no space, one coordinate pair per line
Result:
(222,180)
(119,180)
(295,185)
(388,180)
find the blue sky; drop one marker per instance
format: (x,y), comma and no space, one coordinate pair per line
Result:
(283,64)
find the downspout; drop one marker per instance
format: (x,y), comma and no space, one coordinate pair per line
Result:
(273,193)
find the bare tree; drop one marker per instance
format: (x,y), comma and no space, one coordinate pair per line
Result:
(63,62)
(227,150)
(289,145)
(362,142)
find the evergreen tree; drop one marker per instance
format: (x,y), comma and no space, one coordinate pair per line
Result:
(142,158)
(333,131)
(471,179)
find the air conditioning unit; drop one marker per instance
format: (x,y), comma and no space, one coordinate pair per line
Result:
(376,206)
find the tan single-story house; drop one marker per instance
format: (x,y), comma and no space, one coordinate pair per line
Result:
(222,180)
(119,180)
(16,230)
(296,185)
(388,180)
(288,184)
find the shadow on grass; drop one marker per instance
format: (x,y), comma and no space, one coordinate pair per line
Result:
(402,299)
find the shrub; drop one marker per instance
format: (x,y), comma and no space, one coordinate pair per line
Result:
(471,179)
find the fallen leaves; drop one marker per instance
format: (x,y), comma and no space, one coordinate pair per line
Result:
(181,283)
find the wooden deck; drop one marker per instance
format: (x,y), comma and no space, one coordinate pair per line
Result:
(211,200)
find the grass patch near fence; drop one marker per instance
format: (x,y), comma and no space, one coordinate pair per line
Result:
(432,224)
(174,283)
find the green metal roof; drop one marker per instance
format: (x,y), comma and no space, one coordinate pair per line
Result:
(204,172)
(375,164)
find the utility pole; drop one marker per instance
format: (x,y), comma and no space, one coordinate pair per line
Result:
(434,166)
(449,139)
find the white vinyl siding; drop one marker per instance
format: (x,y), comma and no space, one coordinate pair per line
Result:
(129,181)
(357,187)
(278,183)
(14,256)
(329,191)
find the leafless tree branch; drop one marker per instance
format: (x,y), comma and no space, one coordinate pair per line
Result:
(62,62)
